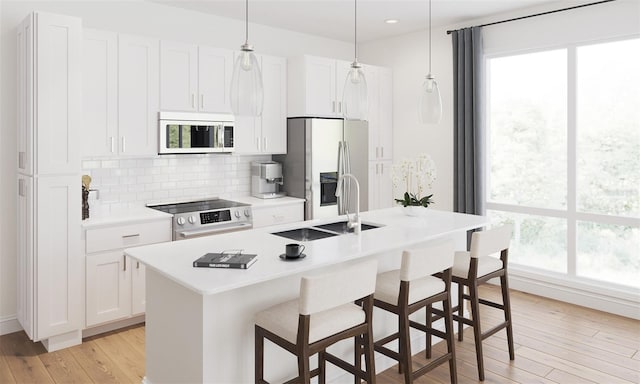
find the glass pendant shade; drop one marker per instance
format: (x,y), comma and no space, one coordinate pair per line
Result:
(354,95)
(430,102)
(247,93)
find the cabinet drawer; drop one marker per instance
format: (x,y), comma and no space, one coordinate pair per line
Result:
(131,235)
(263,217)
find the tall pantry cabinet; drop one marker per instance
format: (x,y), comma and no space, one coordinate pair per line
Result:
(50,263)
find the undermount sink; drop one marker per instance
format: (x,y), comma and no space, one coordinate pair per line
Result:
(341,227)
(304,234)
(322,231)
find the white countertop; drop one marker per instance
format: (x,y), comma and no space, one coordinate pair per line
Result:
(174,260)
(140,214)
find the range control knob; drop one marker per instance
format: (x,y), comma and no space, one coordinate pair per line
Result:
(192,219)
(237,214)
(180,220)
(247,212)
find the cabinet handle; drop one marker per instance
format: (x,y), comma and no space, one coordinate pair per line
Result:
(193,100)
(129,236)
(258,143)
(382,169)
(124,263)
(339,106)
(21,187)
(137,265)
(377,169)
(382,152)
(264,142)
(124,144)
(202,101)
(21,156)
(377,152)
(113,144)
(333,106)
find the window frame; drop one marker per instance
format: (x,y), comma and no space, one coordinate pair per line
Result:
(571,213)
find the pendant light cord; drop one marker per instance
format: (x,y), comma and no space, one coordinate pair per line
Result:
(429,37)
(355,30)
(246,22)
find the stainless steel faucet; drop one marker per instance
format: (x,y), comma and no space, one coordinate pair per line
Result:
(355,224)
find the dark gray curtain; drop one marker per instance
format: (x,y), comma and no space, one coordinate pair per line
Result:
(468,122)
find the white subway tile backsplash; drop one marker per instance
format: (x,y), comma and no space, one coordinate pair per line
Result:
(127,183)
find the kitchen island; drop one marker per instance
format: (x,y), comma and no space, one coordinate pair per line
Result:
(199,321)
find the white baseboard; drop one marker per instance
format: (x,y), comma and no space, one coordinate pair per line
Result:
(112,326)
(623,303)
(9,324)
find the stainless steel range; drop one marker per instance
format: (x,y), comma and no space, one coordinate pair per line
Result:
(207,217)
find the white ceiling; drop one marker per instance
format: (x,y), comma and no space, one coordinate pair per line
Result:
(334,18)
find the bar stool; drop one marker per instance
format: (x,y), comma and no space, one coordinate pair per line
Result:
(424,278)
(324,314)
(471,269)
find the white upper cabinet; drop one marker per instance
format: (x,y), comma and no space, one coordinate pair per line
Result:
(215,68)
(266,134)
(380,115)
(178,76)
(195,78)
(315,86)
(100,93)
(138,95)
(58,103)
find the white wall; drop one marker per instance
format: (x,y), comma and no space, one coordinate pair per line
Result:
(134,17)
(407,56)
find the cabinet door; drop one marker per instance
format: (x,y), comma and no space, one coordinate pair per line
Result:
(342,70)
(215,68)
(58,93)
(385,185)
(24,96)
(138,291)
(320,77)
(25,254)
(246,135)
(373,118)
(385,105)
(58,255)
(138,95)
(380,185)
(178,76)
(108,287)
(274,114)
(100,97)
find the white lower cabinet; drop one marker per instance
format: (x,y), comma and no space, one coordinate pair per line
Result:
(380,185)
(280,214)
(108,287)
(115,284)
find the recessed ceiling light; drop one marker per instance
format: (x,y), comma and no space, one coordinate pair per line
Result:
(391,21)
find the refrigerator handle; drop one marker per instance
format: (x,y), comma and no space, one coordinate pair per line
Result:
(340,173)
(347,169)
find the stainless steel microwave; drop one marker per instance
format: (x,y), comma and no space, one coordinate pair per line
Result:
(181,132)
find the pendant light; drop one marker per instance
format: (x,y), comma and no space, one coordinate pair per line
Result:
(246,93)
(430,101)
(354,95)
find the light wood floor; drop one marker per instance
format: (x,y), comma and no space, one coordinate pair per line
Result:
(555,343)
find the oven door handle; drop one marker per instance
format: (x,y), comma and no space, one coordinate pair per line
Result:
(212,231)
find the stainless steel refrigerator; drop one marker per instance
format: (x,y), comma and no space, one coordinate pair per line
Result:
(319,150)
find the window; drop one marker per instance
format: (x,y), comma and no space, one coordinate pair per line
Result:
(563,159)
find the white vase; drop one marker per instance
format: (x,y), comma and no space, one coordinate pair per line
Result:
(414,210)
